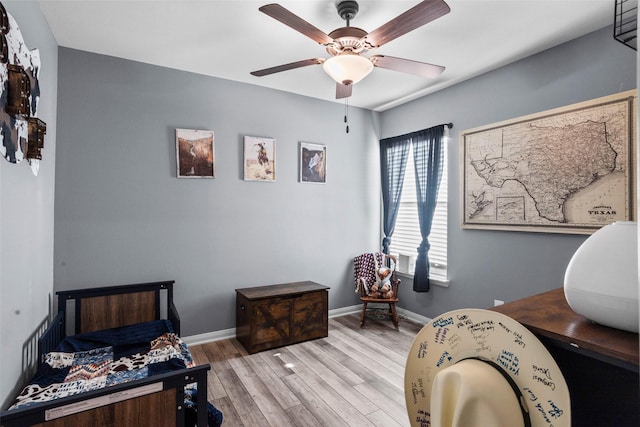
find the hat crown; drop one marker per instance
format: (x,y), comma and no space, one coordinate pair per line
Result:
(472,393)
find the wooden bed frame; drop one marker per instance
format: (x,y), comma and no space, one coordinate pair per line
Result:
(156,401)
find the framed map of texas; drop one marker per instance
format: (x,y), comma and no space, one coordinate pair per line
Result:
(567,170)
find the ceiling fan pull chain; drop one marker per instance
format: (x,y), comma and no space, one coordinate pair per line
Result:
(346,113)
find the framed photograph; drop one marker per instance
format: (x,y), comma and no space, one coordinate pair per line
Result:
(313,163)
(259,159)
(567,170)
(195,153)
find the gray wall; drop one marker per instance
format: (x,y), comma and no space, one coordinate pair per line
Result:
(122,216)
(26,215)
(488,265)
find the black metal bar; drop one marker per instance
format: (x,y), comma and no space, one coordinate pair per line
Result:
(157,304)
(180,408)
(78,315)
(174,318)
(202,399)
(52,336)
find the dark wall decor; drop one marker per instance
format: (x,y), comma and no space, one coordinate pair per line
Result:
(21,132)
(625,24)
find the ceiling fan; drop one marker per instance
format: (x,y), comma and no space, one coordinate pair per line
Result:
(346,45)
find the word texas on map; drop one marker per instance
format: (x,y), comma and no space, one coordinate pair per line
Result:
(567,170)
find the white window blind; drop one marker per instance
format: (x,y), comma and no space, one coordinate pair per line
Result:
(406,236)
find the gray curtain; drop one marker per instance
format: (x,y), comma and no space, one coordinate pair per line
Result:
(428,146)
(393,158)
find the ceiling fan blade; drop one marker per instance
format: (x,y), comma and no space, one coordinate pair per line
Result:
(343,91)
(408,66)
(289,66)
(288,18)
(419,15)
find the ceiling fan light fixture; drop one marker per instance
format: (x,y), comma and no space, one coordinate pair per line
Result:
(348,68)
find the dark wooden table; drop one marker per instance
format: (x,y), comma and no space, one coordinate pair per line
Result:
(549,315)
(600,364)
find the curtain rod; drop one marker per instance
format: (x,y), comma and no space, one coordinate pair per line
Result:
(448,125)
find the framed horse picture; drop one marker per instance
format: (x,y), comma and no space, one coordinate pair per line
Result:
(259,159)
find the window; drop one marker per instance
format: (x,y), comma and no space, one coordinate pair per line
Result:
(406,236)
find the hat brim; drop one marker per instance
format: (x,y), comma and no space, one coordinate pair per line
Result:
(492,336)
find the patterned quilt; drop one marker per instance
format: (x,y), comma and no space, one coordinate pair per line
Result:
(364,267)
(104,358)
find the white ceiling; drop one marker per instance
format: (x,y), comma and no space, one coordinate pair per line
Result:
(228,39)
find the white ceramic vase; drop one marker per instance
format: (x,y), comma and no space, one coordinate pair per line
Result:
(601,280)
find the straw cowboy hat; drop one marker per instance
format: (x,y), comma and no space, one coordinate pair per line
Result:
(479,368)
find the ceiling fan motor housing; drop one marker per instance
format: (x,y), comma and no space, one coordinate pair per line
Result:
(347,9)
(349,39)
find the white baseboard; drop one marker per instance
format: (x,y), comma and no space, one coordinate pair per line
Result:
(345,310)
(210,337)
(414,317)
(231,333)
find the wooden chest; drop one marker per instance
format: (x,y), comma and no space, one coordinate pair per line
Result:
(278,315)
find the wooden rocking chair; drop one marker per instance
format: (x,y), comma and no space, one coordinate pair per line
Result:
(365,266)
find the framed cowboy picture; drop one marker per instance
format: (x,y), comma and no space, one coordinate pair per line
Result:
(259,159)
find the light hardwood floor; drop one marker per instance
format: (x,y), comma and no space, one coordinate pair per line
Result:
(354,377)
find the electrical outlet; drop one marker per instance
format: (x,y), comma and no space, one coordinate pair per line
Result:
(497,302)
